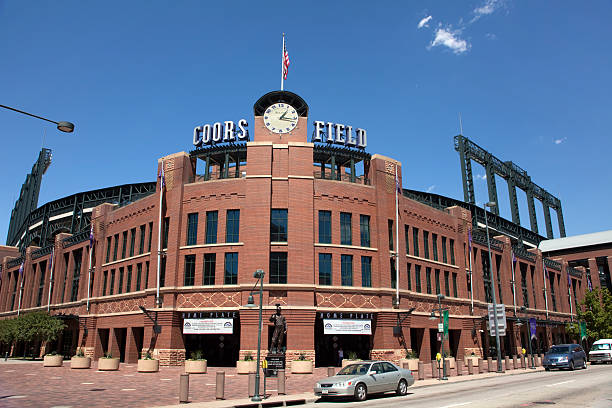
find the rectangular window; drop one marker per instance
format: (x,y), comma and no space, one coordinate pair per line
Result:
(128,282)
(138,276)
(141,242)
(325,227)
(346,270)
(408,277)
(146,282)
(428,279)
(112,283)
(393,272)
(104,283)
(189,270)
(426,244)
(523,269)
(444,257)
(192,229)
(76,275)
(210,261)
(124,244)
(325,269)
(116,247)
(165,232)
(41,282)
(120,288)
(437,272)
(162,272)
(366,271)
(417,278)
(455,284)
(533,290)
(390,233)
(132,241)
(232,226)
(108,249)
(211,226)
(150,236)
(452,251)
(278,225)
(499,285)
(63,293)
(231,268)
(364,230)
(346,232)
(553,296)
(486,276)
(415,241)
(15,278)
(406,231)
(434,244)
(447,283)
(278,267)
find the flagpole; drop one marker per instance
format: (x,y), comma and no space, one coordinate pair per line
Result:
(513,283)
(283,63)
(51,278)
(397,299)
(471,280)
(545,290)
(159,231)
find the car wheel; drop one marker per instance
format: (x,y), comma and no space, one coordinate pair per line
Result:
(571,365)
(361,392)
(402,388)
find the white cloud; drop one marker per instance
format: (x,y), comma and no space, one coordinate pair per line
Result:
(559,141)
(491,36)
(424,22)
(487,8)
(481,177)
(431,188)
(450,39)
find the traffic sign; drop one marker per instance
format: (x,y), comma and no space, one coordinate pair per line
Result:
(500,315)
(440,327)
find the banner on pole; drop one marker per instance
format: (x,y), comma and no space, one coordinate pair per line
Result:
(532,328)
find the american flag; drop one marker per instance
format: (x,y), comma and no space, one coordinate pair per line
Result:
(513,258)
(91,237)
(470,240)
(161,176)
(397,182)
(51,260)
(589,283)
(285,61)
(569,280)
(21,270)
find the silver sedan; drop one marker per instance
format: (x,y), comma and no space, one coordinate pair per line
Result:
(363,378)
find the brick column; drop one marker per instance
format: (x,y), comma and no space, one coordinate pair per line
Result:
(248,331)
(595,272)
(131,350)
(386,346)
(168,345)
(113,345)
(300,333)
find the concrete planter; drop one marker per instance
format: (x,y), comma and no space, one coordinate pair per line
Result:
(346,362)
(80,362)
(245,367)
(413,363)
(451,362)
(53,361)
(301,367)
(148,366)
(196,366)
(108,364)
(473,358)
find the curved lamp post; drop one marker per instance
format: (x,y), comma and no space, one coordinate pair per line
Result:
(63,126)
(492,204)
(259,274)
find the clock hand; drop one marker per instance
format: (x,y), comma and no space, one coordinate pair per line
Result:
(283,115)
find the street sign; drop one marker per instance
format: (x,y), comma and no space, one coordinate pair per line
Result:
(445,320)
(500,315)
(440,327)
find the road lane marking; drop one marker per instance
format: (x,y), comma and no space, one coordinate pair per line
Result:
(128,389)
(456,405)
(16,396)
(166,379)
(559,383)
(86,383)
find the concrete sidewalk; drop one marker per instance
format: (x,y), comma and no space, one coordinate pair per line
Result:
(308,397)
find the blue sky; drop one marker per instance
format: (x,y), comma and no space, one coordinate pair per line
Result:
(530,79)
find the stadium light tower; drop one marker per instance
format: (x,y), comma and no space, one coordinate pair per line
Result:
(63,126)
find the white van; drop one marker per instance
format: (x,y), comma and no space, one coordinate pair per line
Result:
(601,351)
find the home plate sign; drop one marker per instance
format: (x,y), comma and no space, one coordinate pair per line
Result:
(208,326)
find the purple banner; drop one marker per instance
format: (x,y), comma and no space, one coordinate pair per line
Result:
(532,327)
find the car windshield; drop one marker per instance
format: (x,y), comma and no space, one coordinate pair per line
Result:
(559,350)
(354,369)
(604,346)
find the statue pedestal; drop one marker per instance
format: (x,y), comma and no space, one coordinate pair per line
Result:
(276,361)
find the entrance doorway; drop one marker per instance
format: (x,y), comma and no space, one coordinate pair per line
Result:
(120,338)
(328,345)
(220,350)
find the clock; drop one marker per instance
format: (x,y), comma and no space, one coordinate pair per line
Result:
(280,118)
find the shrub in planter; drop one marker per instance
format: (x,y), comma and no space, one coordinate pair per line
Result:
(248,365)
(352,358)
(412,359)
(148,364)
(197,364)
(302,365)
(108,363)
(80,361)
(53,360)
(473,357)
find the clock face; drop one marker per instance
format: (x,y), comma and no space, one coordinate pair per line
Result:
(281,118)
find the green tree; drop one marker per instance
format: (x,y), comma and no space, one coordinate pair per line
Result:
(596,311)
(8,331)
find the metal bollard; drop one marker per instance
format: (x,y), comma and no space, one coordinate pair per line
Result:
(280,376)
(251,384)
(6,356)
(434,369)
(523,361)
(515,364)
(481,366)
(507,363)
(184,388)
(459,364)
(470,366)
(421,370)
(331,371)
(489,364)
(446,368)
(220,392)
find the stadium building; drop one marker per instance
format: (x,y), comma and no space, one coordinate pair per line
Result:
(355,261)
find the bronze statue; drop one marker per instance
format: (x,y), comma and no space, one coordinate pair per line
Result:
(280,330)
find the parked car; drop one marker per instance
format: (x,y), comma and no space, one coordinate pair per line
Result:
(601,351)
(363,378)
(565,356)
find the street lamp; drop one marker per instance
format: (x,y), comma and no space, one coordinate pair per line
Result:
(259,274)
(432,316)
(63,126)
(530,360)
(492,204)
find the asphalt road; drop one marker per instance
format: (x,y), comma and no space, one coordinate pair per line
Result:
(581,388)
